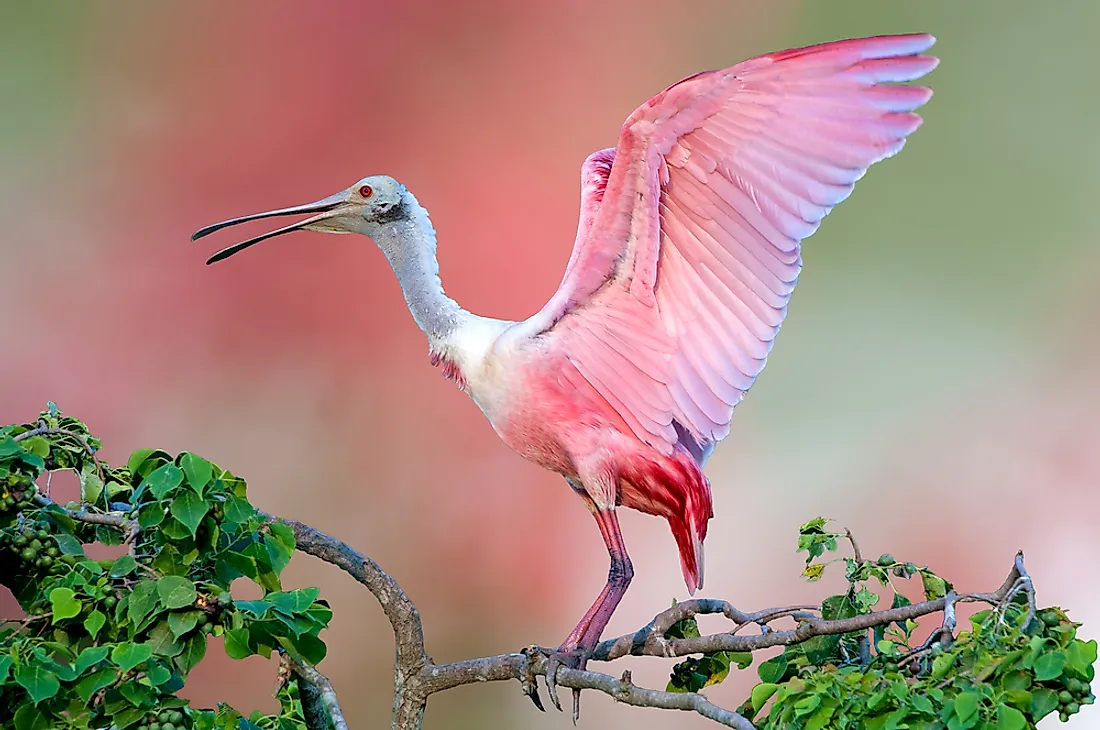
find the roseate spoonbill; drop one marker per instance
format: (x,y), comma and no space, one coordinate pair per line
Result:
(686,255)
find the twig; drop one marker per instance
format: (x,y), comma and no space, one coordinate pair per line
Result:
(43,429)
(114,519)
(855,547)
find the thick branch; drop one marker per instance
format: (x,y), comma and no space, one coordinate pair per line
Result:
(408,631)
(315,688)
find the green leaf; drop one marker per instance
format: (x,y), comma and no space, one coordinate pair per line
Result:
(1009,718)
(137,458)
(151,515)
(88,658)
(40,683)
(197,470)
(941,665)
(9,447)
(163,642)
(922,704)
(127,717)
(806,705)
(238,510)
(143,600)
(36,445)
(966,705)
(139,694)
(1048,666)
(91,486)
(236,644)
(192,653)
(814,572)
(189,508)
(175,591)
(94,682)
(28,717)
(814,526)
(68,544)
(761,693)
(256,608)
(279,551)
(1043,702)
(127,655)
(181,622)
(773,670)
(123,565)
(5,666)
(297,601)
(934,586)
(115,488)
(163,479)
(307,647)
(158,674)
(65,604)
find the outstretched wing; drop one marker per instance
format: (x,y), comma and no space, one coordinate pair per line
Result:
(688,251)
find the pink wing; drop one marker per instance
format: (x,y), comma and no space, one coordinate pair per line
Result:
(689,249)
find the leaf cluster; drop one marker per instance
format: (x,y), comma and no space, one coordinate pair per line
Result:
(110,642)
(1011,669)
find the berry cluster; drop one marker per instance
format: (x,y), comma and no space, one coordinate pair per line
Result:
(16,494)
(166,720)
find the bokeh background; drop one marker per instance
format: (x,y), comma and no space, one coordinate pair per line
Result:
(935,387)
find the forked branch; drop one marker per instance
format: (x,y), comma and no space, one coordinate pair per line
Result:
(416,676)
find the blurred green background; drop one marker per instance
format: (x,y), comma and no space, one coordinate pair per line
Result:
(935,387)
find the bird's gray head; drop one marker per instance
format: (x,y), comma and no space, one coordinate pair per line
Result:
(367,207)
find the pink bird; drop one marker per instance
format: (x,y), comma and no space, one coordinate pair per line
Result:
(686,255)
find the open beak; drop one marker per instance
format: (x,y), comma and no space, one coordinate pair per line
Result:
(326,208)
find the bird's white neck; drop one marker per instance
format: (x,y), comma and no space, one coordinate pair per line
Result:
(409,245)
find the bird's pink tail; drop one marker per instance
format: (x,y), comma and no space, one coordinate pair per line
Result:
(674,488)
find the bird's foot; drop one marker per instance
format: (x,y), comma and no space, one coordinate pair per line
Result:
(564,656)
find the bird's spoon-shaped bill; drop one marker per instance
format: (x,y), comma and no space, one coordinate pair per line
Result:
(323,209)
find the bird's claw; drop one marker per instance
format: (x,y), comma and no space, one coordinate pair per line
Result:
(575,658)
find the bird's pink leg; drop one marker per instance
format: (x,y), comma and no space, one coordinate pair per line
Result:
(576,648)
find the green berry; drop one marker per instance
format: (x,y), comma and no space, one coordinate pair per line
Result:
(167,726)
(28,554)
(163,717)
(110,602)
(47,561)
(52,551)
(1065,697)
(36,544)
(154,726)
(43,534)
(177,717)
(1072,708)
(886,559)
(20,541)
(1050,618)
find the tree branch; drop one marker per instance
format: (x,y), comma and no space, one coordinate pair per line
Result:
(416,676)
(317,692)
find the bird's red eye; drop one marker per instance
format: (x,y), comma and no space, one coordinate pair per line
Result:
(366,191)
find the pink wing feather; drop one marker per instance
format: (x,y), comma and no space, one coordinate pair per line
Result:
(689,243)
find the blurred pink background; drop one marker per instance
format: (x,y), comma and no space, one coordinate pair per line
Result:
(935,387)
